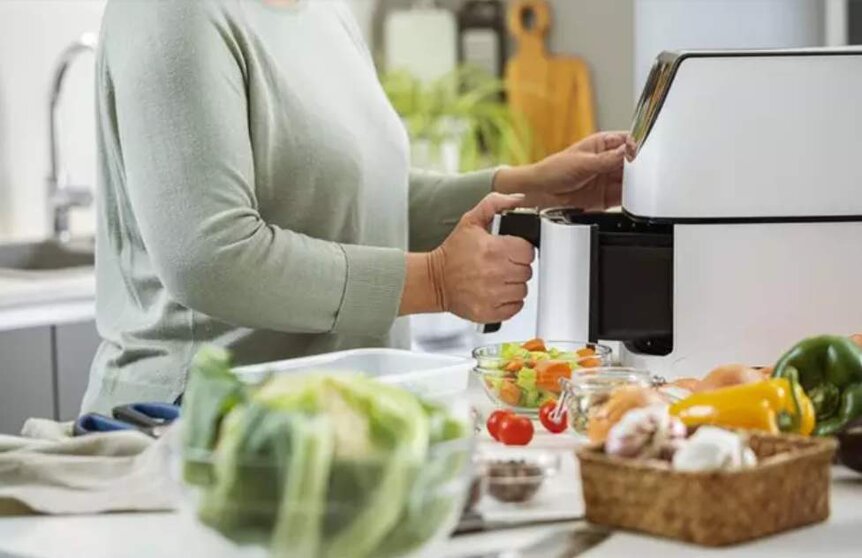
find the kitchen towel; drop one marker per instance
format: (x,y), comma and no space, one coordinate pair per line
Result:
(46,471)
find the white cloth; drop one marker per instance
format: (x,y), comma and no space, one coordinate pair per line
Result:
(46,471)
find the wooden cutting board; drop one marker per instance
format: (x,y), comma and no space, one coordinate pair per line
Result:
(553,93)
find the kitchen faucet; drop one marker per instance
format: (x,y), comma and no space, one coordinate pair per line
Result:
(63,197)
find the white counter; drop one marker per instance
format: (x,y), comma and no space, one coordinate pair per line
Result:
(145,535)
(173,534)
(46,299)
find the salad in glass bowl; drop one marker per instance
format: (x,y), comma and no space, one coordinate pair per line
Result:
(522,376)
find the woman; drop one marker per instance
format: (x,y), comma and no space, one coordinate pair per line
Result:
(256,193)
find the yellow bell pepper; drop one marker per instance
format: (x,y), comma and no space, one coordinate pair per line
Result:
(771,405)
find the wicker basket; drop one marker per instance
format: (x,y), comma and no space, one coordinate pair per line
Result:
(788,488)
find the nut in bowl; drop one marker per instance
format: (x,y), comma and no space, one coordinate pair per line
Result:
(522,376)
(515,476)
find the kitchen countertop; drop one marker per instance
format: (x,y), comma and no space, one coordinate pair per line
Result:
(143,535)
(174,534)
(46,298)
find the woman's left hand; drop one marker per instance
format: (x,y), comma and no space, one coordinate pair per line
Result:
(587,175)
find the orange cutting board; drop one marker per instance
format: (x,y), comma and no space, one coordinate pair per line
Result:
(554,94)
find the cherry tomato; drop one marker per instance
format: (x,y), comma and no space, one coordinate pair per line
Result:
(516,430)
(493,424)
(550,424)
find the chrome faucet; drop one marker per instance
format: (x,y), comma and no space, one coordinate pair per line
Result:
(63,197)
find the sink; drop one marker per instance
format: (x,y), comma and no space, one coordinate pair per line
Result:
(47,255)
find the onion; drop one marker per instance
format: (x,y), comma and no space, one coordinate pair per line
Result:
(729,375)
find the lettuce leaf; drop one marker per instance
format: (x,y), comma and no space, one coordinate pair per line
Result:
(212,391)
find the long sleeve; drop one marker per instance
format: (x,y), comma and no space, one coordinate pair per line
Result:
(437,202)
(181,114)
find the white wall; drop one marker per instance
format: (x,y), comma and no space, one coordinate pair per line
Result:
(600,31)
(706,24)
(32,34)
(619,38)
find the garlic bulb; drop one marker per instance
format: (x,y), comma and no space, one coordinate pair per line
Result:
(712,449)
(647,432)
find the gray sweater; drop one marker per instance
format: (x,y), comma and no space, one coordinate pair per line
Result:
(255,191)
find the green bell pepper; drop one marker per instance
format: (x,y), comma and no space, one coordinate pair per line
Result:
(829,369)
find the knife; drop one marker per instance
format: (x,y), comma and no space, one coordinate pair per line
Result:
(560,543)
(473,523)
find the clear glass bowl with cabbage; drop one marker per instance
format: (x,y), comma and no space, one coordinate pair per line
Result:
(319,465)
(524,375)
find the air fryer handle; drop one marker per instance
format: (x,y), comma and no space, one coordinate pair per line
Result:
(523,223)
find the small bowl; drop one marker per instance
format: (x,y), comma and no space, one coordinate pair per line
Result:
(519,397)
(589,390)
(515,476)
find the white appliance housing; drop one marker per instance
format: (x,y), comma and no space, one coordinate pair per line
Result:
(753,134)
(742,224)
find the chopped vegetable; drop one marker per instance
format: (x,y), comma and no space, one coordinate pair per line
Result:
(550,372)
(552,425)
(514,365)
(510,393)
(527,375)
(535,345)
(516,430)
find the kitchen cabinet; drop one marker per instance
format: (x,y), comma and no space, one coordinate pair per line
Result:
(74,345)
(26,376)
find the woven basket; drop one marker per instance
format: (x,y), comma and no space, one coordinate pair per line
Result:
(788,488)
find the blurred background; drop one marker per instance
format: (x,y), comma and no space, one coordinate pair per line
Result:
(617,39)
(441,62)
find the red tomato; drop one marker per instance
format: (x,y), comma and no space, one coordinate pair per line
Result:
(493,424)
(550,424)
(516,430)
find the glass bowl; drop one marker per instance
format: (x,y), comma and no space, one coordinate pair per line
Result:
(515,475)
(509,375)
(589,390)
(250,511)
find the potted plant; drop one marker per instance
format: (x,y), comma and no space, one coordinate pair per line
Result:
(458,123)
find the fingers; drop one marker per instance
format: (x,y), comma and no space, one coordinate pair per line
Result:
(519,274)
(512,293)
(490,205)
(631,148)
(517,250)
(613,140)
(609,161)
(603,141)
(505,312)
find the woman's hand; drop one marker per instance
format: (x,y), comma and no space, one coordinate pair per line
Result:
(588,175)
(473,274)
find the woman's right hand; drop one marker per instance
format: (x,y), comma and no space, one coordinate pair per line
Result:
(479,276)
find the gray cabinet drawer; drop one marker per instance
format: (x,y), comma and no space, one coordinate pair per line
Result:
(75,346)
(26,377)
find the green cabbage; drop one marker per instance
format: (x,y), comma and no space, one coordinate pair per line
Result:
(331,466)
